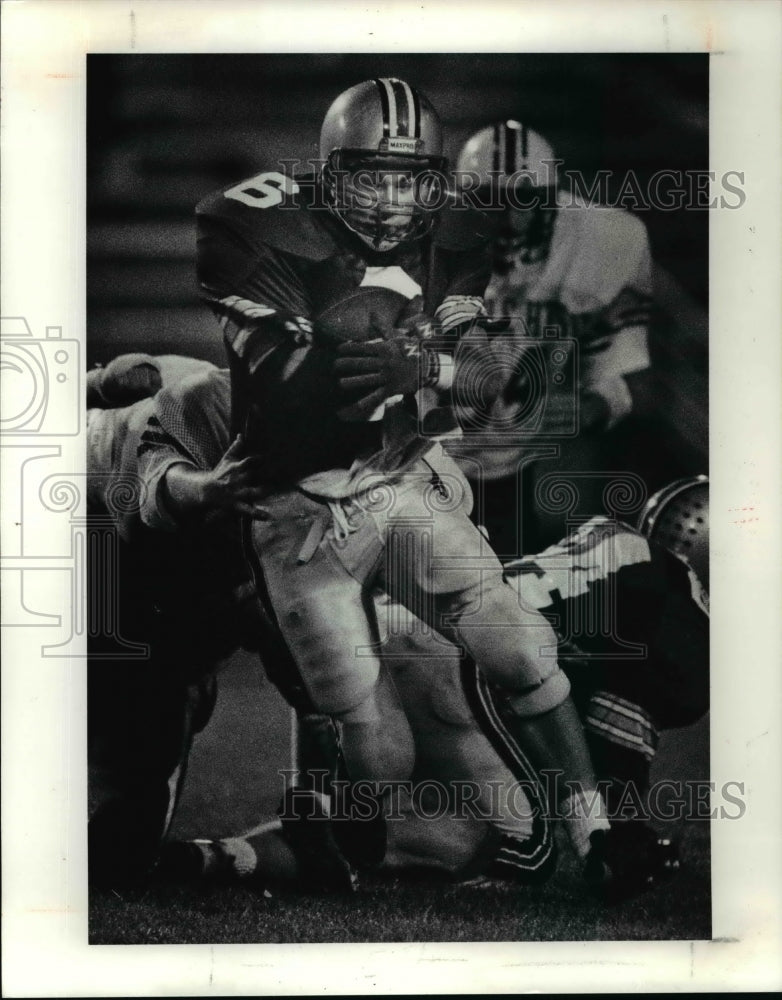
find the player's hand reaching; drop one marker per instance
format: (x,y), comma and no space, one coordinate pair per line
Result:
(235,485)
(377,370)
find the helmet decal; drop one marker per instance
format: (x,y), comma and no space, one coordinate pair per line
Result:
(511,148)
(401,108)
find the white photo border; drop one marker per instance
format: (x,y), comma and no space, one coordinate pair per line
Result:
(44,47)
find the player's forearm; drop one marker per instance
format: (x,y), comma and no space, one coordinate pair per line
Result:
(185,490)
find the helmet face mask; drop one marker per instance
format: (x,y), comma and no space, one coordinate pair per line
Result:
(382,176)
(384,202)
(523,235)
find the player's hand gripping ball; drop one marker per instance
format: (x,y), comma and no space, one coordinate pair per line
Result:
(377,333)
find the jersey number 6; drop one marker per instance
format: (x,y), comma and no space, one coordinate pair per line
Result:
(263,190)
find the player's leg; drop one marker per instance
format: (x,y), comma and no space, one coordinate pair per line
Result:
(440,565)
(324,616)
(141,727)
(326,620)
(462,744)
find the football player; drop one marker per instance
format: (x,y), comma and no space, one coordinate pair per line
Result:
(182,594)
(572,281)
(340,388)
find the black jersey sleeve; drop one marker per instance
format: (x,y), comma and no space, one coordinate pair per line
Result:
(284,392)
(255,292)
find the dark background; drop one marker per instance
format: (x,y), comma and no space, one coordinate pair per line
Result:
(165,130)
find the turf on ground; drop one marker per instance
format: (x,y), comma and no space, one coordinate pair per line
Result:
(234,783)
(409,912)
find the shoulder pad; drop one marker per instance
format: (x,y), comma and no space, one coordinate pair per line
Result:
(460,227)
(605,225)
(276,210)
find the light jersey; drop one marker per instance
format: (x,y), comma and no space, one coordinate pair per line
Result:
(115,486)
(113,438)
(594,287)
(596,253)
(594,552)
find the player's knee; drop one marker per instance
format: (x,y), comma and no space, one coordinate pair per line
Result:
(346,689)
(374,747)
(543,694)
(531,678)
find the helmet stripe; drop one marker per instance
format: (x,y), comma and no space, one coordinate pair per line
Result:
(524,147)
(510,148)
(412,117)
(393,125)
(496,150)
(386,97)
(416,129)
(401,107)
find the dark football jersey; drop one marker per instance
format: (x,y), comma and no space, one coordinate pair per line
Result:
(271,260)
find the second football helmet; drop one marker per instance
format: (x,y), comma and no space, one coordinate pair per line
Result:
(677,517)
(515,171)
(382,144)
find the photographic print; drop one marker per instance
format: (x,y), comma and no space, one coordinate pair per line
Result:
(553,244)
(374,509)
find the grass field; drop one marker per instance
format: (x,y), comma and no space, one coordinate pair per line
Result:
(234,783)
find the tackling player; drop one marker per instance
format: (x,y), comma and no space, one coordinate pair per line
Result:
(182,594)
(175,447)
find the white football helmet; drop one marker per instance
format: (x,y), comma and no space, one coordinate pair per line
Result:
(512,171)
(382,143)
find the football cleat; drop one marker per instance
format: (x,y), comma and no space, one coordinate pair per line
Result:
(309,832)
(627,860)
(224,861)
